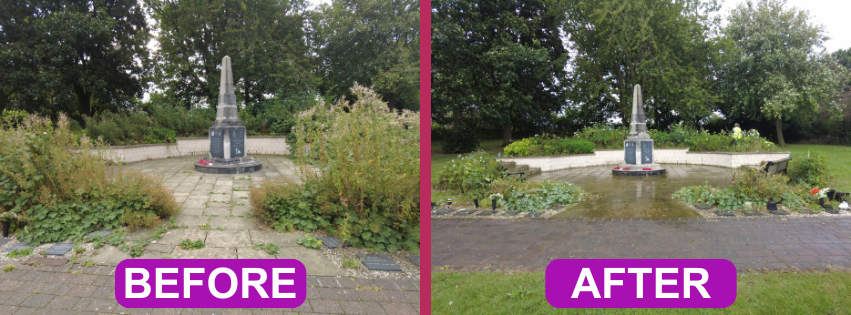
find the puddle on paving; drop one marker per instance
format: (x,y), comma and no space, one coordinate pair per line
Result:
(636,197)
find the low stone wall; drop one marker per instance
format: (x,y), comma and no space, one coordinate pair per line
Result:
(194,146)
(662,156)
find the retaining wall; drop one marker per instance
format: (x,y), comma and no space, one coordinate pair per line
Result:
(194,146)
(661,156)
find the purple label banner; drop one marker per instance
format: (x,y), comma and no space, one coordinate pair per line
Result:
(210,283)
(641,283)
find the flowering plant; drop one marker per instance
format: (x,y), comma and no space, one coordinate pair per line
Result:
(820,193)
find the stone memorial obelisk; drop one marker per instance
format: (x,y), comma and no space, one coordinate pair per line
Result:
(638,146)
(227,135)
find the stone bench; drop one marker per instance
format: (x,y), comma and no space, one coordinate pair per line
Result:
(778,166)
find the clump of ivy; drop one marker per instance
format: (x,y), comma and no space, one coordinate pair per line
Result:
(309,241)
(271,249)
(187,244)
(9,268)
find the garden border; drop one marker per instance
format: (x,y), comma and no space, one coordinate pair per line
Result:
(272,145)
(663,156)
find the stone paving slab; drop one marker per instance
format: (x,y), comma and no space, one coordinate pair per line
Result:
(316,262)
(269,237)
(229,239)
(59,249)
(204,253)
(755,242)
(57,290)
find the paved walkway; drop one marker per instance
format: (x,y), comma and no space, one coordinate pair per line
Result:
(221,201)
(529,245)
(63,290)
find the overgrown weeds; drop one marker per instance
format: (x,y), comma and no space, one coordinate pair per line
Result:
(360,169)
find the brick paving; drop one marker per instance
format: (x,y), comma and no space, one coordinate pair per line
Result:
(61,290)
(750,243)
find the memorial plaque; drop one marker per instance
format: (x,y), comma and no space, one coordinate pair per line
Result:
(510,213)
(332,242)
(21,245)
(415,259)
(778,212)
(534,214)
(378,262)
(4,241)
(629,148)
(751,213)
(237,142)
(646,152)
(101,233)
(217,145)
(59,249)
(464,212)
(724,213)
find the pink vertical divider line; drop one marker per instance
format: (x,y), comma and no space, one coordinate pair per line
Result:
(425,157)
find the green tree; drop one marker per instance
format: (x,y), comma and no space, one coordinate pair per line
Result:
(773,72)
(79,57)
(371,42)
(502,61)
(663,45)
(265,39)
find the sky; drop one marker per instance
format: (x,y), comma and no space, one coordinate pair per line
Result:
(832,14)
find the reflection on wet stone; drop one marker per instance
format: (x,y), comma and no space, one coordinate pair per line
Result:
(636,197)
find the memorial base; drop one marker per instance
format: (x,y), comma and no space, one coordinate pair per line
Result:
(229,166)
(638,170)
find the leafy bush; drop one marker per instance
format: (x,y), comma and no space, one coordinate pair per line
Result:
(59,193)
(531,196)
(809,169)
(603,137)
(187,244)
(363,184)
(724,198)
(754,186)
(271,249)
(473,173)
(548,145)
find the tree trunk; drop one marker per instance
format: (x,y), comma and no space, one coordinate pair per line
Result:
(456,123)
(779,124)
(84,101)
(506,135)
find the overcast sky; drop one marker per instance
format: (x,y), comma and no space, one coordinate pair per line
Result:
(832,14)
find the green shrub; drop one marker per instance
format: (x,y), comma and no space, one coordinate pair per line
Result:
(472,174)
(531,196)
(12,117)
(363,184)
(809,169)
(548,145)
(723,198)
(604,137)
(57,193)
(187,244)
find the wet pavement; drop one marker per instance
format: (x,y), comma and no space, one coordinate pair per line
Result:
(750,243)
(636,197)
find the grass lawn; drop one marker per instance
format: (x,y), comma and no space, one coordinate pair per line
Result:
(838,161)
(772,293)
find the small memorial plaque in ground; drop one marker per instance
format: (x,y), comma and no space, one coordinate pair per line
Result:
(46,261)
(510,213)
(555,208)
(724,213)
(59,249)
(486,213)
(441,212)
(703,206)
(332,242)
(778,212)
(101,233)
(534,214)
(464,212)
(21,245)
(751,213)
(808,211)
(4,241)
(832,211)
(415,259)
(378,262)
